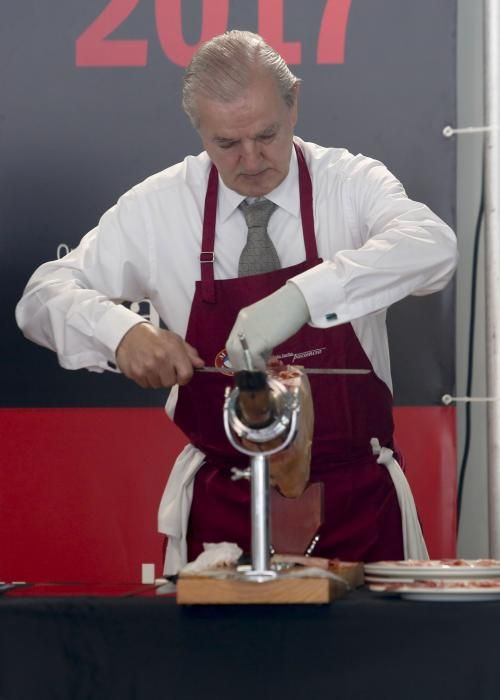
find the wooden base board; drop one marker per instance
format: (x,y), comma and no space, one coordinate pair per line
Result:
(196,590)
(352,572)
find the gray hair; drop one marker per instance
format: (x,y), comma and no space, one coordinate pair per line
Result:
(225,66)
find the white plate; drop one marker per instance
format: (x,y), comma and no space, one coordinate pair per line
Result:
(442,591)
(457,597)
(435,568)
(389,579)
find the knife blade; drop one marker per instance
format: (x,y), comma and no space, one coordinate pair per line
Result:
(306,370)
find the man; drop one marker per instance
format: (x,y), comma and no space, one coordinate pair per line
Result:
(348,243)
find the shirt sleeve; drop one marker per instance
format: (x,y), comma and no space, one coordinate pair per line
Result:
(404,249)
(73,305)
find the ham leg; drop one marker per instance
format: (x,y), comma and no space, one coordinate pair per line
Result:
(290,468)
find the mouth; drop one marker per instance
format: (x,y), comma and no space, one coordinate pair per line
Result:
(254,175)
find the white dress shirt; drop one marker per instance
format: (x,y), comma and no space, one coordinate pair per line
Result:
(378,246)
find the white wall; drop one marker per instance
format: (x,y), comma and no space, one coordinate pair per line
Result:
(473,533)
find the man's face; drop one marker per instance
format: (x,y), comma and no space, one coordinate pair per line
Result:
(250,139)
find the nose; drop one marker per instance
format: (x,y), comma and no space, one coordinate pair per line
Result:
(250,156)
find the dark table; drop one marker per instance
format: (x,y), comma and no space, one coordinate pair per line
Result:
(142,646)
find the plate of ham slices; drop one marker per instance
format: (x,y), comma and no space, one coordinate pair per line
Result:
(432,569)
(442,590)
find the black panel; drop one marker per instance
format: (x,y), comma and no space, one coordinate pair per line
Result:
(73,139)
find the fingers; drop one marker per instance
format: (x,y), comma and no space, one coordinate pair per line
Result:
(235,352)
(155,358)
(196,360)
(257,349)
(183,361)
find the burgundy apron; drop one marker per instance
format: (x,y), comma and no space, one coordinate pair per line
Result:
(362,516)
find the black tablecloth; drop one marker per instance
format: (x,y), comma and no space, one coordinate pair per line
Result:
(139,648)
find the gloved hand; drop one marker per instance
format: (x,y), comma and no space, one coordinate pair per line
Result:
(265,324)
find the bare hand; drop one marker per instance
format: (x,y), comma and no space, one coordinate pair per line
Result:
(154,358)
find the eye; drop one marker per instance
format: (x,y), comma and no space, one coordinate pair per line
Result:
(267,138)
(225,145)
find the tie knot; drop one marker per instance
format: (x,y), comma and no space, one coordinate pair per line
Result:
(258,213)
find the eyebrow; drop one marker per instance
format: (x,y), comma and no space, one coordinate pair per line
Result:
(222,140)
(268,131)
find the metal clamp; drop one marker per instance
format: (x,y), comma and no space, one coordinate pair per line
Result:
(246,352)
(240,473)
(287,408)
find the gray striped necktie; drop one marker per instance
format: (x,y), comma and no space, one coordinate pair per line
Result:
(259,254)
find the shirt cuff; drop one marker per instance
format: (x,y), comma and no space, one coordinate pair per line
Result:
(324,295)
(113,325)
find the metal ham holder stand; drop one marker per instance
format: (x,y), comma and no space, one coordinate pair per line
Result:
(284,414)
(262,410)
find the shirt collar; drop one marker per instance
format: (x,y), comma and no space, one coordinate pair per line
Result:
(286,195)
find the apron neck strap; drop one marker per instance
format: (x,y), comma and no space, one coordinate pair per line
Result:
(306,205)
(207,254)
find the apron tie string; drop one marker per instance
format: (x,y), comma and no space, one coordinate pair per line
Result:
(413,539)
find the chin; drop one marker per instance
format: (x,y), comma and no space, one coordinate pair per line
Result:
(255,191)
(259,188)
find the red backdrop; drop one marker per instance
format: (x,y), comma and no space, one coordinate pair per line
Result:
(81,487)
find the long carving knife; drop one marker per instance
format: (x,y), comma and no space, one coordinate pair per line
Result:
(306,370)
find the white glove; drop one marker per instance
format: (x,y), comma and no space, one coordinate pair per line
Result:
(265,324)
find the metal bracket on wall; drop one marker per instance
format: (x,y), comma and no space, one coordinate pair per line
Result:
(447,399)
(449,131)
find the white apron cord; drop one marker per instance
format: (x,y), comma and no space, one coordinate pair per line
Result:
(413,539)
(175,505)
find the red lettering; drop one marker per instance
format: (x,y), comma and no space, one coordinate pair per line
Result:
(92,48)
(215,16)
(271,23)
(332,33)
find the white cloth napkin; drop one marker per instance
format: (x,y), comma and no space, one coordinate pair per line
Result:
(413,539)
(215,554)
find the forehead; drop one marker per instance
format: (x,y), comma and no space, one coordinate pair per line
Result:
(259,108)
